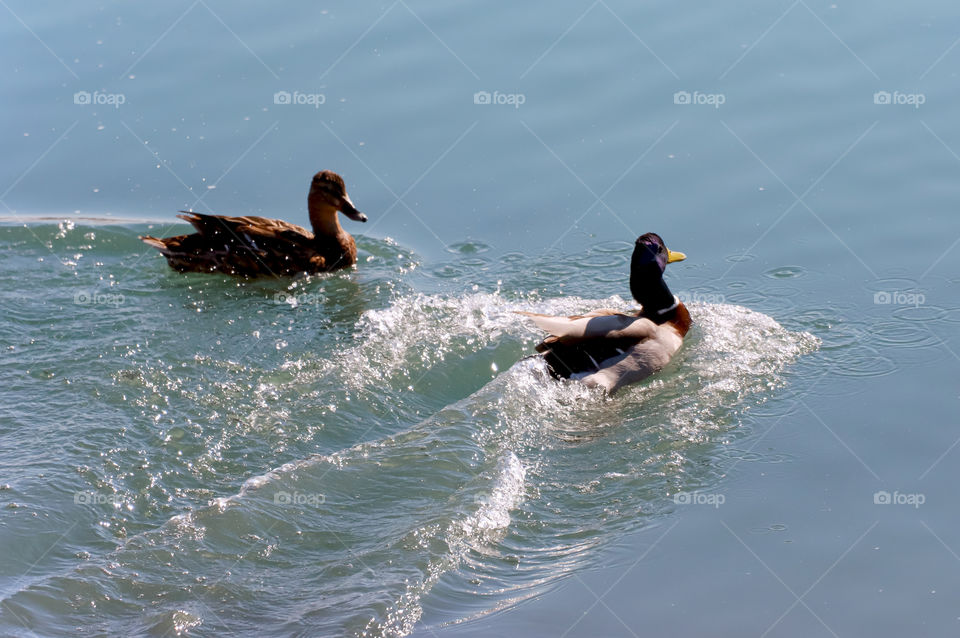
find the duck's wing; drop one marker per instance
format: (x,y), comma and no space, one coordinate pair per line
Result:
(598,324)
(635,364)
(246,229)
(585,345)
(249,246)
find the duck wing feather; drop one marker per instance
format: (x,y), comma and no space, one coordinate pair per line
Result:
(598,324)
(248,227)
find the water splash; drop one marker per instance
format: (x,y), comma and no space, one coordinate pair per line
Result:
(249,502)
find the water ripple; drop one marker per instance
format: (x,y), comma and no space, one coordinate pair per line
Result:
(354,443)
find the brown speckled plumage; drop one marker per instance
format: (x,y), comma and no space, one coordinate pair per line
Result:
(256,246)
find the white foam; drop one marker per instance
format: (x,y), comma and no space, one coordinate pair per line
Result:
(731,354)
(506,492)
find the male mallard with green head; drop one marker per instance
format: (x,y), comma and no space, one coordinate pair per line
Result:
(609,349)
(253,246)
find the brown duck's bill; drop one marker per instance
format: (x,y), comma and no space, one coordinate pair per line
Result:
(348,209)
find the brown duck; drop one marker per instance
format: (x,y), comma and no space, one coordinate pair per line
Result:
(254,246)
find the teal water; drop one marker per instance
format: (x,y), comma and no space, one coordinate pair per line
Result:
(368,453)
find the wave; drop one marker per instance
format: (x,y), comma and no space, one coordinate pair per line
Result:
(478,503)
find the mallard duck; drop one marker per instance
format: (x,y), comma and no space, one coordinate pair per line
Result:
(609,349)
(252,246)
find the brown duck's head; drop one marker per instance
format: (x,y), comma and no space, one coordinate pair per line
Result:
(327,190)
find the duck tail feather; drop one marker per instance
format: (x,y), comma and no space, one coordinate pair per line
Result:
(188,215)
(154,241)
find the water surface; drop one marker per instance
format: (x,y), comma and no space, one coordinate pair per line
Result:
(367,452)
